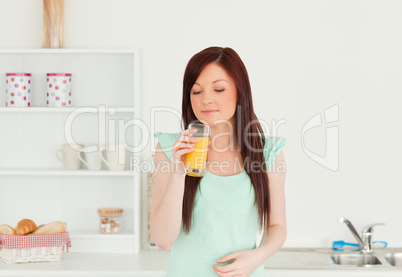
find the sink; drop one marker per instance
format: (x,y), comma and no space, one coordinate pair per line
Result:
(394,259)
(362,260)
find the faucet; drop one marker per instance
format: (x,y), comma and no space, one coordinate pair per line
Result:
(366,241)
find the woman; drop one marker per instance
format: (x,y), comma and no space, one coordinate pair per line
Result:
(210,224)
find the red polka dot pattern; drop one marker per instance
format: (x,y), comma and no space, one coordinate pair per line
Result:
(18,90)
(59,91)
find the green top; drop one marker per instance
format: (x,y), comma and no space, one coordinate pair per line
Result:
(225,218)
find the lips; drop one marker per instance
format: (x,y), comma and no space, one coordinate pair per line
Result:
(208,112)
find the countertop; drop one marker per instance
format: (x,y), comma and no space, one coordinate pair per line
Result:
(154,263)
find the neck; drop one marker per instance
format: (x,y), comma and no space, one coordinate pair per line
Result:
(223,137)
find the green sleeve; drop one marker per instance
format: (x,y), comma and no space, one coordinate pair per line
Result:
(273,146)
(166,141)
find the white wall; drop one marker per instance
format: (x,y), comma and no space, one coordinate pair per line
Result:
(302,57)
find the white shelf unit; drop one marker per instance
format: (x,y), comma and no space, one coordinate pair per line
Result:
(59,110)
(61,172)
(106,91)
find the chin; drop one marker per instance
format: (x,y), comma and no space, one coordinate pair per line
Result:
(211,120)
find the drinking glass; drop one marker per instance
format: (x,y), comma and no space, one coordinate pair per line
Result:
(196,160)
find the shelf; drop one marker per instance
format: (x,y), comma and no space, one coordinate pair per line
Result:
(94,234)
(61,172)
(67,51)
(63,110)
(91,241)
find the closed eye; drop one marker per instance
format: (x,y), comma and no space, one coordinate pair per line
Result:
(217,90)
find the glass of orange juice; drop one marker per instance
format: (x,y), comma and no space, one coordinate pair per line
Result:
(196,159)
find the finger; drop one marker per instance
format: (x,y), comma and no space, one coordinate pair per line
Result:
(185,146)
(183,151)
(179,143)
(188,139)
(227,258)
(219,273)
(188,132)
(225,274)
(226,268)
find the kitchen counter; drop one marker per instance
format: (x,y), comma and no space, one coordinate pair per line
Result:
(286,262)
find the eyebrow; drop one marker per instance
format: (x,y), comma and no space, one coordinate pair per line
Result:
(214,81)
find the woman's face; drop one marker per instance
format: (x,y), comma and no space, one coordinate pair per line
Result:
(213,96)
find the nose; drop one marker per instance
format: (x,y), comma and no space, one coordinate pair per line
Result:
(207,97)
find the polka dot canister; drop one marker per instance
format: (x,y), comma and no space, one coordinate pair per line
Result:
(58,90)
(18,89)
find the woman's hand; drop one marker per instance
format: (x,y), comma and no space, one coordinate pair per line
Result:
(245,263)
(184,144)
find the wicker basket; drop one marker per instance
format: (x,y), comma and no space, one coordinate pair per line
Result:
(33,248)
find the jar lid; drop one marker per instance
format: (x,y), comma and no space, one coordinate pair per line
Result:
(18,74)
(110,210)
(59,74)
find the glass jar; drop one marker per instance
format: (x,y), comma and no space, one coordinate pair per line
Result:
(110,220)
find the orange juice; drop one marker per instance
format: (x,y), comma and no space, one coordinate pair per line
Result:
(196,160)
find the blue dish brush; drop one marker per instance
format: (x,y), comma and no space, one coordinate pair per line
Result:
(338,245)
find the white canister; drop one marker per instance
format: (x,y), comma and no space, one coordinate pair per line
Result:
(58,90)
(18,89)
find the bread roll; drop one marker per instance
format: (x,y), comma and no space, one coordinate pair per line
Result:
(6,230)
(25,226)
(51,228)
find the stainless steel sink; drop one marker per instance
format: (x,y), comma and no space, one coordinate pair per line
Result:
(394,259)
(326,258)
(362,260)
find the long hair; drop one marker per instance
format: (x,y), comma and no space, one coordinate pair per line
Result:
(230,61)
